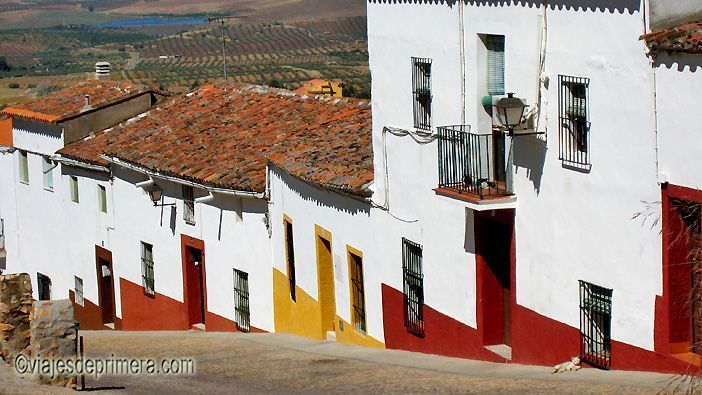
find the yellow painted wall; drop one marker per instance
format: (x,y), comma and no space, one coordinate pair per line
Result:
(302,317)
(350,335)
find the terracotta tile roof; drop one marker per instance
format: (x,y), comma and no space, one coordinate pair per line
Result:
(683,38)
(69,102)
(223,136)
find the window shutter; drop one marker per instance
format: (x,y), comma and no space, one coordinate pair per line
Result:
(496,65)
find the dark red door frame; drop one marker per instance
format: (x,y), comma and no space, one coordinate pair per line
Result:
(187,241)
(664,318)
(494,322)
(103,255)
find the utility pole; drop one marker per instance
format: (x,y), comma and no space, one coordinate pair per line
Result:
(222,20)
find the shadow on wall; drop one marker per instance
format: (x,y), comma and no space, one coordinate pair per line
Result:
(620,6)
(323,197)
(679,61)
(530,154)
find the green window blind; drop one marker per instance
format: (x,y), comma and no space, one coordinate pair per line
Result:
(496,65)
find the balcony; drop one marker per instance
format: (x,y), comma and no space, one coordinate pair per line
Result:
(474,166)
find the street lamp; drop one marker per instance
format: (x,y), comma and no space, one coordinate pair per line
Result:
(156,194)
(510,110)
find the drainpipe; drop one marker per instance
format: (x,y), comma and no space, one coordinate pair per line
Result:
(461,28)
(145,184)
(205,199)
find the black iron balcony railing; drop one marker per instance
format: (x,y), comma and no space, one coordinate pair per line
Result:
(474,163)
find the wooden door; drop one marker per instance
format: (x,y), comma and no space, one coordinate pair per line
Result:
(194,288)
(106,290)
(325,273)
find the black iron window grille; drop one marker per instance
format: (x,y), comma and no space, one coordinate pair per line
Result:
(413,287)
(147,268)
(595,325)
(421,90)
(241,301)
(358,298)
(43,286)
(290,256)
(188,204)
(478,164)
(574,120)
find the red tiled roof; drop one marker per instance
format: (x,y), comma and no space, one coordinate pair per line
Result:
(69,102)
(683,38)
(222,135)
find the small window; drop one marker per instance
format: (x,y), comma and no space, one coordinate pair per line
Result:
(241,301)
(358,297)
(421,89)
(78,291)
(44,286)
(574,120)
(413,287)
(102,198)
(74,189)
(47,168)
(23,167)
(595,325)
(188,205)
(147,268)
(290,256)
(495,46)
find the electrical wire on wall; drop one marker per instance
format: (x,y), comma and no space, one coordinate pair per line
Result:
(420,138)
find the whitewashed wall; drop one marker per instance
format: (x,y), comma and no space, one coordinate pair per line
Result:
(665,13)
(349,222)
(34,136)
(679,87)
(233,230)
(569,225)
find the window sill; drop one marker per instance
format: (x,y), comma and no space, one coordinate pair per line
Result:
(49,190)
(24,182)
(191,223)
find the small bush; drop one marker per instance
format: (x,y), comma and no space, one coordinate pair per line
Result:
(13,85)
(32,86)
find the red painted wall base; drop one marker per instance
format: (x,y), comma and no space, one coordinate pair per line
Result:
(89,316)
(141,312)
(536,340)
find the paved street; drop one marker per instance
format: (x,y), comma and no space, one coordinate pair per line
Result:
(276,363)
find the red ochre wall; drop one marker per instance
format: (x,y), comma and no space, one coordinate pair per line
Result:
(141,312)
(536,339)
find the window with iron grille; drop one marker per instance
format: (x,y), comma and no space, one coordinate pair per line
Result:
(358,298)
(595,325)
(574,120)
(43,286)
(421,90)
(188,204)
(78,291)
(290,256)
(413,287)
(241,301)
(495,46)
(147,268)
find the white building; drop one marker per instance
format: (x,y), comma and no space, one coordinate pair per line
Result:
(541,260)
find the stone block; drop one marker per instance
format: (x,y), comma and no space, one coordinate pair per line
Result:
(53,336)
(16,303)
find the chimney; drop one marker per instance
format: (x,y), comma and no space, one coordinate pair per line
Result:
(87,101)
(102,71)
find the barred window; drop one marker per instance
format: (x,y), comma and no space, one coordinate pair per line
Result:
(574,120)
(241,301)
(290,256)
(43,287)
(147,268)
(421,90)
(358,298)
(78,291)
(188,204)
(413,287)
(595,325)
